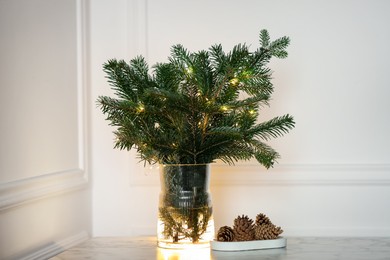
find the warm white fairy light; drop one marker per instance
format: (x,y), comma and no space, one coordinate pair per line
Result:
(234,81)
(224,108)
(140,108)
(189,70)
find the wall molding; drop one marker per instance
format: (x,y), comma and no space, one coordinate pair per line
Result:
(283,174)
(137,28)
(82,83)
(18,192)
(249,174)
(303,174)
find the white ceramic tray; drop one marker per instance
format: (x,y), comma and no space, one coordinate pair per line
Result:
(248,245)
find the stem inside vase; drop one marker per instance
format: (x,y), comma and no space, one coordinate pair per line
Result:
(185,210)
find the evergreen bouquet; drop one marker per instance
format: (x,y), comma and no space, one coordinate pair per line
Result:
(197,107)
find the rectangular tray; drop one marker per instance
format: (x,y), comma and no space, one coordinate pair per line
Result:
(248,245)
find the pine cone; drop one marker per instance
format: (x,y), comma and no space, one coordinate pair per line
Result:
(243,229)
(267,231)
(262,219)
(225,233)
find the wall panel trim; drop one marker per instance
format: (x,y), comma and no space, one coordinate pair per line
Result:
(21,191)
(303,174)
(283,174)
(247,174)
(137,28)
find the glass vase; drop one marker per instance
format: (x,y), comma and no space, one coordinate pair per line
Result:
(185,216)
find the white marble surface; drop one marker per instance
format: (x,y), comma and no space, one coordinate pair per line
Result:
(105,248)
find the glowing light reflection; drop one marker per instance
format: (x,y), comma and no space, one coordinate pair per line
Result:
(183,254)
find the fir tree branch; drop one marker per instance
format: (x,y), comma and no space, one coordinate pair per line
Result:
(264,38)
(276,127)
(189,109)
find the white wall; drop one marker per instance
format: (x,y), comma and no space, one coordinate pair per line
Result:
(334,174)
(44,192)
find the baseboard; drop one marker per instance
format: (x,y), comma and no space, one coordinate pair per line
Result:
(57,247)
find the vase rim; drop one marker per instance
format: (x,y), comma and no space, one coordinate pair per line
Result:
(184,164)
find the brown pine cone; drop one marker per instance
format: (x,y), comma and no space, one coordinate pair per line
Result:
(267,231)
(225,233)
(243,229)
(262,219)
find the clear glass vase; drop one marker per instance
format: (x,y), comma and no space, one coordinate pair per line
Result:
(185,216)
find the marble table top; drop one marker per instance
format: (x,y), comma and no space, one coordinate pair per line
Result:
(115,248)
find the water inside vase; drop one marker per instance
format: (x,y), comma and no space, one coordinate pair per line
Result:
(183,243)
